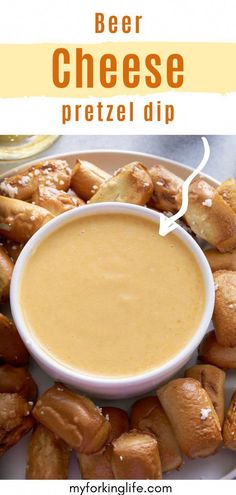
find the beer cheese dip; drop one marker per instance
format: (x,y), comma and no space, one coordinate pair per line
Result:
(108,296)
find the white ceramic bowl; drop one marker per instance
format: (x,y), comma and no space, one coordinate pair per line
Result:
(101,387)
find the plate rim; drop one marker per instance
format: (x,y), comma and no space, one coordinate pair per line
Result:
(167,161)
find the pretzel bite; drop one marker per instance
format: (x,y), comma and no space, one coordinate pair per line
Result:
(192,416)
(212,379)
(221,261)
(210,351)
(167,192)
(228,191)
(229,428)
(6,269)
(48,456)
(129,184)
(12,348)
(135,455)
(74,418)
(54,200)
(224,315)
(118,419)
(12,248)
(210,217)
(55,173)
(18,380)
(148,415)
(98,466)
(15,420)
(20,220)
(87,178)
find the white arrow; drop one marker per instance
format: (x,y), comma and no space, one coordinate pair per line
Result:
(167,224)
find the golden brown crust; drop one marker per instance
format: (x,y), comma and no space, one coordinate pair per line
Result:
(74,418)
(212,379)
(20,220)
(192,416)
(224,315)
(12,348)
(221,261)
(13,249)
(135,456)
(167,192)
(18,380)
(98,466)
(15,420)
(210,351)
(129,184)
(228,192)
(210,217)
(55,201)
(54,173)
(229,428)
(6,269)
(148,415)
(48,456)
(87,178)
(118,419)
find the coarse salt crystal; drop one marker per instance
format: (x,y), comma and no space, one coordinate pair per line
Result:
(32,218)
(216,287)
(159,183)
(36,172)
(25,180)
(207,202)
(61,182)
(121,457)
(204,413)
(107,417)
(8,189)
(231,306)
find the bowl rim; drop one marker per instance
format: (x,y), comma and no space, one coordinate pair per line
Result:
(74,375)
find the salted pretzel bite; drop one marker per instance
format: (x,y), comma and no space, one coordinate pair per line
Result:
(54,173)
(135,455)
(12,348)
(15,420)
(129,184)
(20,220)
(13,249)
(167,192)
(98,466)
(54,200)
(228,191)
(210,217)
(74,418)
(48,456)
(192,416)
(221,261)
(229,428)
(210,351)
(87,178)
(18,380)
(148,415)
(6,269)
(224,315)
(212,379)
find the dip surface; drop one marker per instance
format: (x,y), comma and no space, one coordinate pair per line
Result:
(108,296)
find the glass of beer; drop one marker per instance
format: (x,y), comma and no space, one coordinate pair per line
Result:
(15,147)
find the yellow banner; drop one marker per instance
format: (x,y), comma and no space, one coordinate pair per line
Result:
(109,69)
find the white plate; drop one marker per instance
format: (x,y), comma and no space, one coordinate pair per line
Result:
(219,466)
